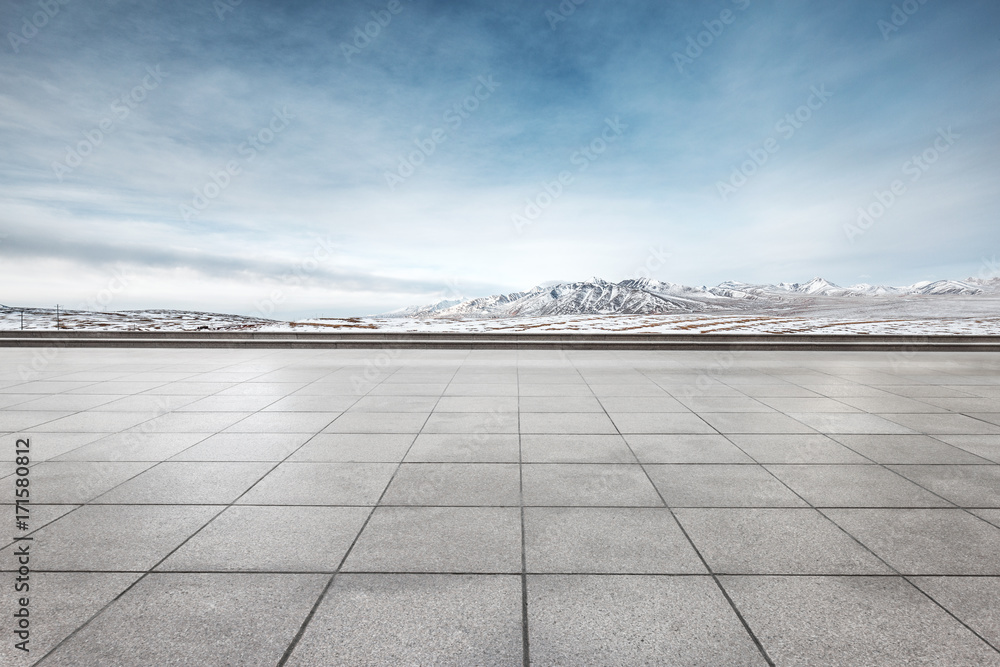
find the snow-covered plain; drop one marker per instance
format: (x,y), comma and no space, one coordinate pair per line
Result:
(970,307)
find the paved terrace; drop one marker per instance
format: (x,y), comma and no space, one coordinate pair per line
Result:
(501,507)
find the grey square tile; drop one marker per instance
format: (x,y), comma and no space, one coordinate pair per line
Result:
(423,404)
(115,538)
(218,403)
(852,621)
(321,484)
(81,422)
(536,448)
(188,483)
(607,540)
(991,516)
(724,404)
(694,448)
(378,422)
(831,423)
(906,449)
(477,484)
(660,422)
(206,619)
(854,486)
(357,447)
(973,600)
(925,541)
(480,404)
(964,485)
(559,404)
(566,423)
(984,446)
(721,486)
(464,448)
(244,447)
(458,619)
(471,422)
(190,422)
(754,422)
(775,541)
(634,620)
(817,404)
(582,484)
(642,404)
(439,539)
(271,539)
(799,448)
(78,481)
(135,446)
(931,424)
(59,602)
(284,422)
(311,403)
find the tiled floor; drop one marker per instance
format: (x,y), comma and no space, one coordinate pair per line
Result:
(366,507)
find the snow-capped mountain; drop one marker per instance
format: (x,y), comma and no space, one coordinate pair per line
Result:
(646,296)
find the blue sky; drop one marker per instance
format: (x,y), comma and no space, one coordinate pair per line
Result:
(273,158)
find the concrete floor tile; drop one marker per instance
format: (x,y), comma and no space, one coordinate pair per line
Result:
(79,481)
(439,539)
(973,600)
(449,619)
(852,621)
(950,424)
(721,486)
(685,448)
(799,448)
(607,540)
(564,404)
(244,447)
(537,448)
(271,539)
(854,486)
(775,541)
(115,537)
(906,449)
(188,483)
(566,423)
(754,422)
(355,447)
(464,448)
(660,423)
(833,423)
(479,404)
(634,620)
(468,484)
(664,403)
(606,485)
(321,484)
(59,603)
(925,541)
(204,619)
(134,446)
(471,422)
(377,422)
(964,485)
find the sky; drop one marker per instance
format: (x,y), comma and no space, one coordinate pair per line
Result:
(297,159)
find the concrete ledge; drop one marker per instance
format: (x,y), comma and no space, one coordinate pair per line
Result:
(519,341)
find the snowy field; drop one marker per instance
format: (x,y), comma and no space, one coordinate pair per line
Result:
(952,316)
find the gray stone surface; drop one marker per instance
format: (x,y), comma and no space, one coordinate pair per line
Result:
(448,620)
(850,621)
(607,541)
(439,539)
(196,619)
(442,480)
(775,541)
(721,486)
(271,539)
(925,541)
(634,620)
